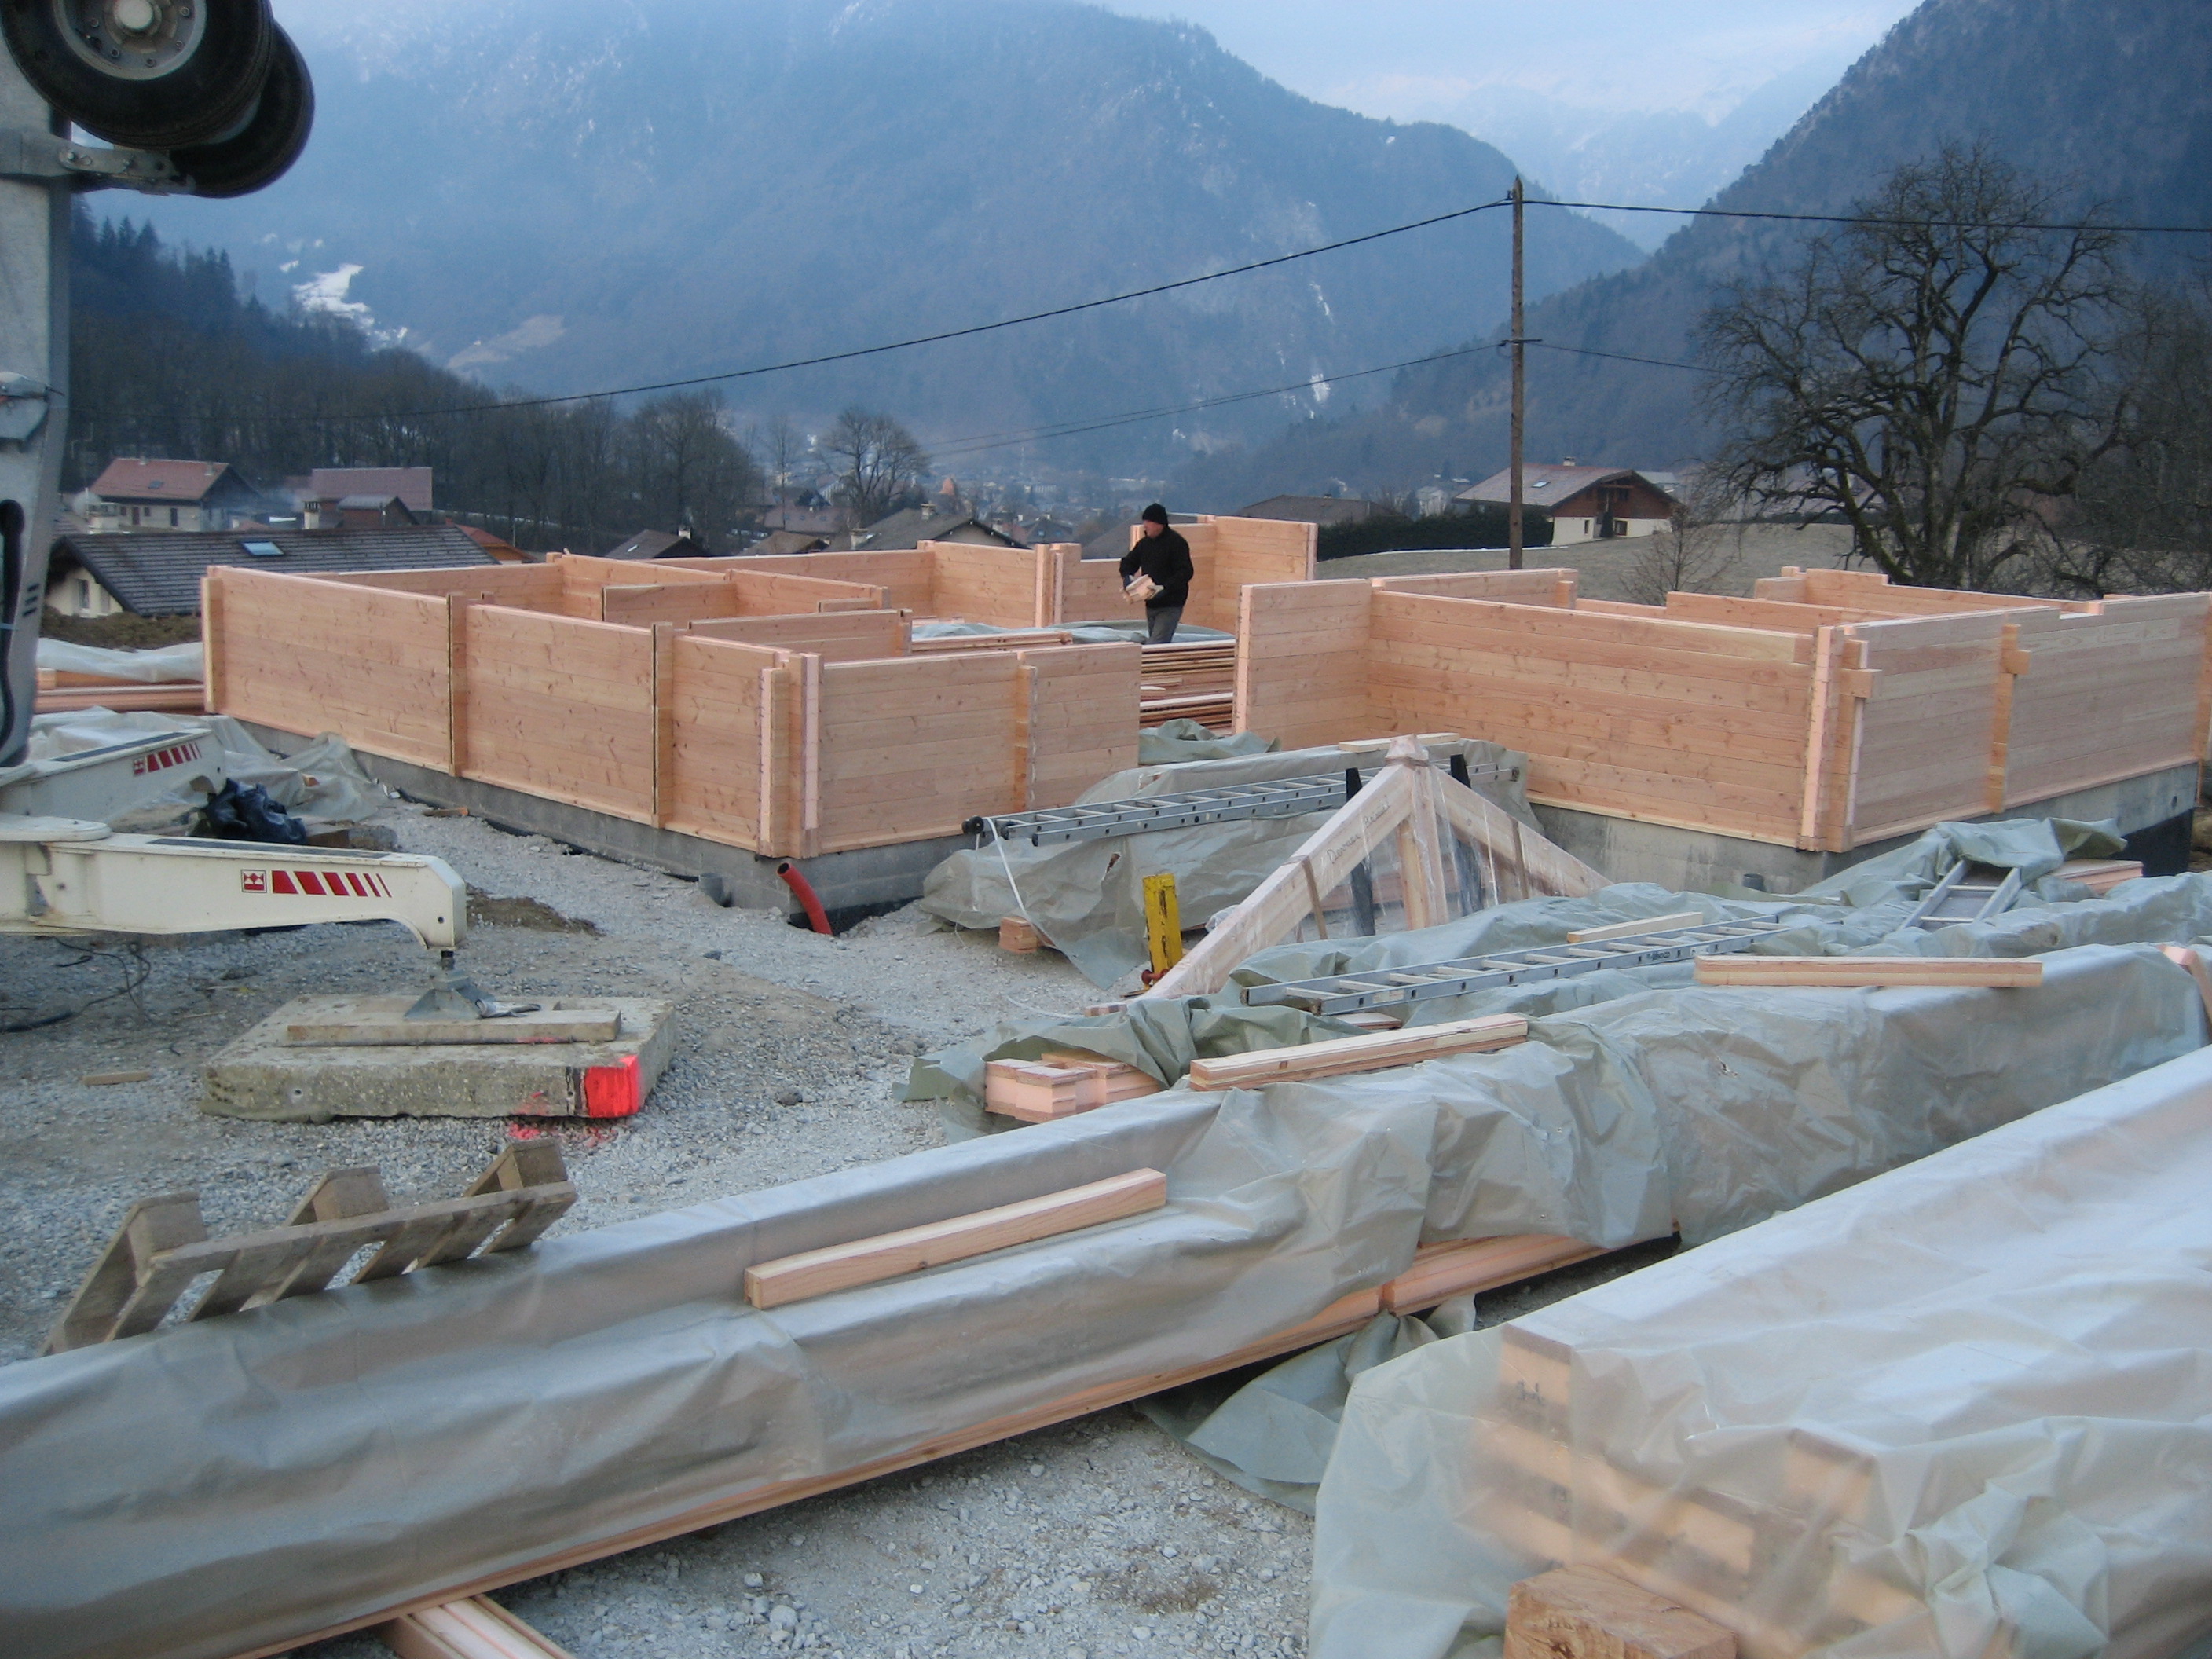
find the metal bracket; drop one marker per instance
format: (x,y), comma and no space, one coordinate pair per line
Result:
(23,403)
(27,153)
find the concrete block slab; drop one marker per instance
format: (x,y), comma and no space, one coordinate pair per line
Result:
(263,1075)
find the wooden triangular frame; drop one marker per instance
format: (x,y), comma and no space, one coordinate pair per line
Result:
(1405,799)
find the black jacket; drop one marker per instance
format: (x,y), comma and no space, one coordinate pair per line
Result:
(1166,559)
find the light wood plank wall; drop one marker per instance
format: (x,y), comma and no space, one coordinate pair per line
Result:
(1303,662)
(558,706)
(1667,722)
(2107,694)
(366,661)
(790,735)
(1788,717)
(724,709)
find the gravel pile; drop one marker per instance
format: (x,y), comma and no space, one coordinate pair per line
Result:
(1094,1538)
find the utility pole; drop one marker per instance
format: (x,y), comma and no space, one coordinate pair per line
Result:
(1519,389)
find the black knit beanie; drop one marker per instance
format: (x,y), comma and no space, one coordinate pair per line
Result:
(1156,514)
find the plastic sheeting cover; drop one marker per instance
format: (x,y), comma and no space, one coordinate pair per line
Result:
(168,663)
(319,779)
(1964,1408)
(1087,897)
(251,1478)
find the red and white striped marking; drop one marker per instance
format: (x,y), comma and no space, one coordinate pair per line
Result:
(161,760)
(313,883)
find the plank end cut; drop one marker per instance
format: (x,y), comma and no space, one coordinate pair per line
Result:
(1019,935)
(889,1255)
(1579,1613)
(1851,973)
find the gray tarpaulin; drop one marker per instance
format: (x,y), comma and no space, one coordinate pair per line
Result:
(320,779)
(253,1477)
(1963,1409)
(1087,897)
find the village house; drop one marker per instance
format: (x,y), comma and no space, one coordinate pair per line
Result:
(137,494)
(1584,503)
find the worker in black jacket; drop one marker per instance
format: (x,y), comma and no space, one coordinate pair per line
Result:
(1162,556)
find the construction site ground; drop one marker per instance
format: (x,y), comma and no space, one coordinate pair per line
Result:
(1101,1536)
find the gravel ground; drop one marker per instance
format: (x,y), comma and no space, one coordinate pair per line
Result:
(1093,1538)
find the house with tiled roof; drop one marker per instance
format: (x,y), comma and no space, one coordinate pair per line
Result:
(1584,503)
(157,572)
(135,493)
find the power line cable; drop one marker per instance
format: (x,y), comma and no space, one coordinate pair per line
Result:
(953,447)
(973,330)
(892,345)
(1871,219)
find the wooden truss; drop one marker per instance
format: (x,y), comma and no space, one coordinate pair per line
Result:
(1412,806)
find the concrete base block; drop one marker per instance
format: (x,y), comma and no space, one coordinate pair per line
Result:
(262,1076)
(1699,861)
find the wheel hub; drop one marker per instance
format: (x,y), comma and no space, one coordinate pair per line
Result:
(132,39)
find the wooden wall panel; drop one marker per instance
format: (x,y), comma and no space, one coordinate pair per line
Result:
(584,570)
(903,573)
(834,637)
(1933,715)
(1082,717)
(529,586)
(1871,591)
(2106,695)
(783,593)
(1553,587)
(1004,586)
(912,748)
(1090,591)
(717,759)
(1778,616)
(1678,723)
(644,606)
(1302,665)
(561,706)
(306,655)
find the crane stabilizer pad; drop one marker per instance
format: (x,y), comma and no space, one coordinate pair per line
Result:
(269,1074)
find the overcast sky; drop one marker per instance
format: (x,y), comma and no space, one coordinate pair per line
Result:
(1420,59)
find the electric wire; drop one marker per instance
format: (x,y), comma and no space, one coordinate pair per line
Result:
(1075,307)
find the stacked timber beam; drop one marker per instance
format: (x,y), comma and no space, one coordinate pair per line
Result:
(1194,681)
(1832,711)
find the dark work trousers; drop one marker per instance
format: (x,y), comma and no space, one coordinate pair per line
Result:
(1160,624)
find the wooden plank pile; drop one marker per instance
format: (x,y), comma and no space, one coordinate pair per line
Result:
(1194,681)
(1831,710)
(162,1250)
(63,692)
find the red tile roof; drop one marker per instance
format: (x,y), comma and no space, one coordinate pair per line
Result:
(131,479)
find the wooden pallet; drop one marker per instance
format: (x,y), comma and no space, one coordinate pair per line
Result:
(162,1248)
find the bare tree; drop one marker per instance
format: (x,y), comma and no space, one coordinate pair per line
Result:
(1932,372)
(692,473)
(1699,552)
(880,464)
(2142,517)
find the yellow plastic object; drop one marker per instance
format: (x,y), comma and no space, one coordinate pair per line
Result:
(1163,922)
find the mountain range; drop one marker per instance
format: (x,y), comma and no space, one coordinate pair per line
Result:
(2110,103)
(562,197)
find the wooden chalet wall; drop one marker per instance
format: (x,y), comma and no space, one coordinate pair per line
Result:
(790,735)
(371,662)
(1227,556)
(1303,664)
(1823,713)
(1002,586)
